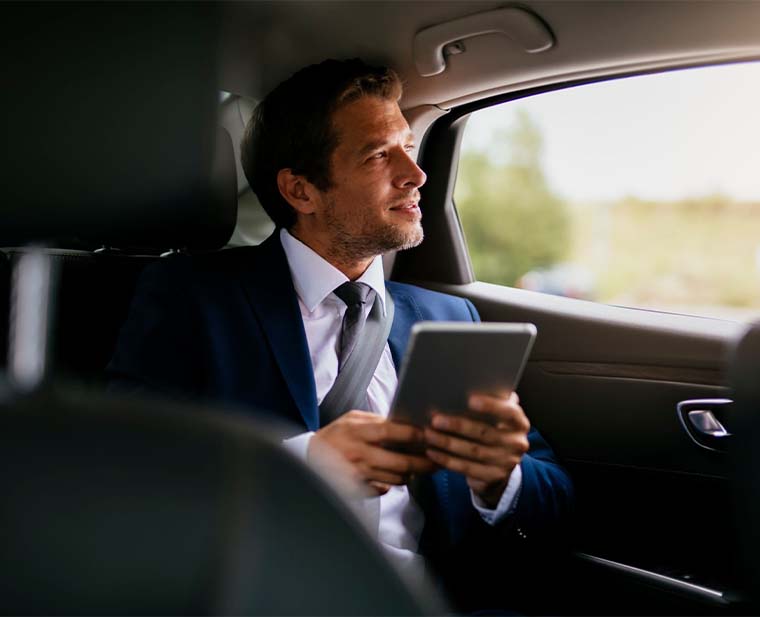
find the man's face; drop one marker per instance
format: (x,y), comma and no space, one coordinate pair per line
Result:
(372,206)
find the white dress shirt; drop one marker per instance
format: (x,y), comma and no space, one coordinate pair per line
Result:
(314,279)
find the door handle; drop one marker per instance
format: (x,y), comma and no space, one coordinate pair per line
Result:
(704,421)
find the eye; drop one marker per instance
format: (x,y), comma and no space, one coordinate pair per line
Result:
(410,147)
(377,156)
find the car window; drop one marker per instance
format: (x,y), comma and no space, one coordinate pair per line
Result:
(641,192)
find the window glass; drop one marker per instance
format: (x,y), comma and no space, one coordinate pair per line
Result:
(641,192)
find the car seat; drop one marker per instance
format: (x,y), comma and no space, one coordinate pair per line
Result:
(96,285)
(745,455)
(114,505)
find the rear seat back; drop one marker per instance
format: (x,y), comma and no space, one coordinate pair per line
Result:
(110,143)
(95,287)
(94,292)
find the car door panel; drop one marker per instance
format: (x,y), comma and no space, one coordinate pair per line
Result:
(653,527)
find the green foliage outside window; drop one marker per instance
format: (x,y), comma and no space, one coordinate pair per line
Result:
(697,254)
(512,220)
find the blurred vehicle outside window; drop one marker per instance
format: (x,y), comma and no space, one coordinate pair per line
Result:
(641,192)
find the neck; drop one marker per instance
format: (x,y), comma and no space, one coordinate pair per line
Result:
(352,267)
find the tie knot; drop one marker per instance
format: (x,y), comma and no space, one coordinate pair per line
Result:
(353,294)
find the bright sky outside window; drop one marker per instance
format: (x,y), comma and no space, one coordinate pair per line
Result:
(641,192)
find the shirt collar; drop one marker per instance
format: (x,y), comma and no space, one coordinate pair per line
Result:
(314,278)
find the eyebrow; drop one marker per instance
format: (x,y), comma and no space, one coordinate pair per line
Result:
(379,143)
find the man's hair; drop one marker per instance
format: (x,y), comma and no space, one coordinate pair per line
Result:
(292,127)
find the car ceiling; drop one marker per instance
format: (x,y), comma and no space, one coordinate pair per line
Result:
(265,42)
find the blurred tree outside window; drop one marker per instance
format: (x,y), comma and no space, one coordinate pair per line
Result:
(641,192)
(501,194)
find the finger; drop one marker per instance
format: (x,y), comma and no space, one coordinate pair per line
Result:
(471,450)
(379,487)
(357,415)
(506,394)
(469,428)
(403,464)
(513,396)
(472,470)
(371,474)
(499,437)
(504,410)
(390,432)
(477,486)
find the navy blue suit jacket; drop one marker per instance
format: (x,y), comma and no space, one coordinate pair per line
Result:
(227,327)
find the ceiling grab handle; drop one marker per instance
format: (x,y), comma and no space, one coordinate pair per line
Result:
(517,24)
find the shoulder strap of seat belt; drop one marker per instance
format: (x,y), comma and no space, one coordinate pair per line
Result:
(350,388)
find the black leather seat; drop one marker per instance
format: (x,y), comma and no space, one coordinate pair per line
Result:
(131,506)
(744,378)
(110,143)
(96,286)
(111,507)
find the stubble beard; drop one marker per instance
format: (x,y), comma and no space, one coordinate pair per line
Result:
(375,238)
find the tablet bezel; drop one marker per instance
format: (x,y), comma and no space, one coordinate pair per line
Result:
(522,337)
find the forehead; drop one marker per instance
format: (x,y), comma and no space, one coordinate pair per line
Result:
(369,119)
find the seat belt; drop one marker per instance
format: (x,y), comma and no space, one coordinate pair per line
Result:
(350,388)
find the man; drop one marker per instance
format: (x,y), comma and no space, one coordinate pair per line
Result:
(331,158)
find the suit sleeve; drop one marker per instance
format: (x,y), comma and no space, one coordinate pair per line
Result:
(546,496)
(544,502)
(160,346)
(474,316)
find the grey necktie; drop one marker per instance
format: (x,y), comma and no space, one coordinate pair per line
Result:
(355,296)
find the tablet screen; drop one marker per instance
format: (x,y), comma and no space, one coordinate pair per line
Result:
(448,361)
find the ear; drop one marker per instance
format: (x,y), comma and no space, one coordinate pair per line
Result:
(297,191)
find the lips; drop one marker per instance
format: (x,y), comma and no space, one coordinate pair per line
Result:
(408,203)
(409,212)
(411,206)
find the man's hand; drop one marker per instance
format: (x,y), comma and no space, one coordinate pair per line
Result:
(357,436)
(485,453)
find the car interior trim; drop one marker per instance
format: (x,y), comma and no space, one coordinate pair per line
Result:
(577,461)
(443,230)
(563,82)
(709,329)
(420,118)
(660,580)
(630,33)
(31,313)
(710,377)
(522,27)
(703,421)
(606,73)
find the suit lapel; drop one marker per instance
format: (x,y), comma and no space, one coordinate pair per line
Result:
(407,313)
(269,288)
(270,291)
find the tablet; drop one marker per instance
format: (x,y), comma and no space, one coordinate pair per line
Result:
(447,361)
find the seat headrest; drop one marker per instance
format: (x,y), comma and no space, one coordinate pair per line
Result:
(112,133)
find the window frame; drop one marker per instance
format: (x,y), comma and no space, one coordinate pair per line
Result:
(444,257)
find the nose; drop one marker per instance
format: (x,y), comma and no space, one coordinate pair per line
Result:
(409,174)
